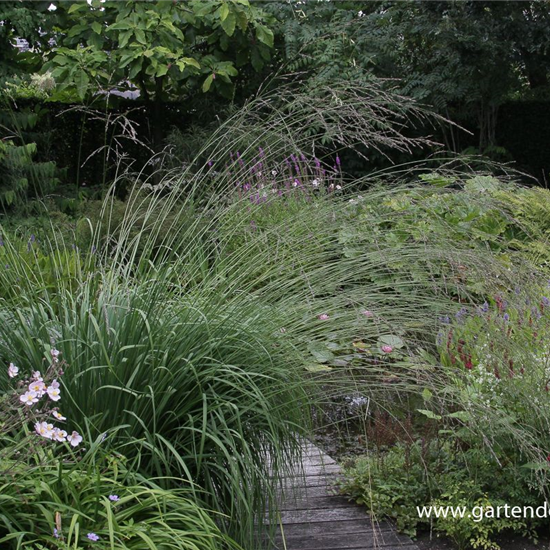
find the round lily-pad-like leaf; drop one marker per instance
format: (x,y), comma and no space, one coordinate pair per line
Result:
(320,351)
(391,340)
(317,367)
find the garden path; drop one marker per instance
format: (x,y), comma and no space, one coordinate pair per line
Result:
(314,517)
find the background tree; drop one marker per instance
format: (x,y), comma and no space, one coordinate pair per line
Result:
(169,50)
(24,20)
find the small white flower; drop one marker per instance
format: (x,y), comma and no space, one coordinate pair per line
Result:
(295,183)
(55,355)
(74,439)
(338,187)
(44,429)
(29,398)
(54,393)
(315,182)
(58,415)
(54,384)
(13,370)
(59,435)
(274,172)
(36,375)
(38,387)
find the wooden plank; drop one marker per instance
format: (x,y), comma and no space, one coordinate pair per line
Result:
(311,491)
(362,540)
(338,514)
(309,502)
(311,481)
(340,528)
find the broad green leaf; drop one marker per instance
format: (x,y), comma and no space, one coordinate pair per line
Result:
(119,26)
(391,340)
(207,83)
(461,415)
(191,61)
(228,25)
(224,11)
(426,394)
(162,70)
(96,27)
(429,414)
(135,68)
(316,367)
(82,82)
(140,36)
(77,6)
(264,35)
(123,38)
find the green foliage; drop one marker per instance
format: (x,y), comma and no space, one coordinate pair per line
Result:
(161,47)
(198,385)
(67,497)
(22,178)
(24,20)
(409,476)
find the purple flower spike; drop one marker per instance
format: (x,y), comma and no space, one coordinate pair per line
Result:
(337,160)
(545,301)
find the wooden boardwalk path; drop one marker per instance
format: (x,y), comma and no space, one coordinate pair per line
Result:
(313,517)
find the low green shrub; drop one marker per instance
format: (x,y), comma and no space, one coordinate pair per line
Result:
(444,472)
(97,499)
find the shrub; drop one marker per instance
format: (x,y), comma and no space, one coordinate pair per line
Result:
(440,472)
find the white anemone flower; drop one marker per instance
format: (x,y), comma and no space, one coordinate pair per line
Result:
(44,429)
(29,398)
(59,435)
(13,371)
(74,439)
(54,393)
(38,387)
(58,415)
